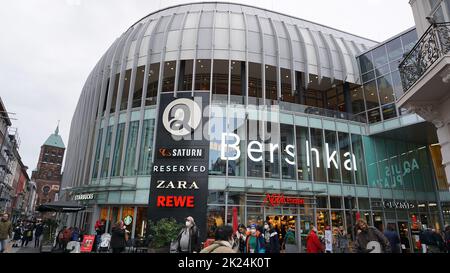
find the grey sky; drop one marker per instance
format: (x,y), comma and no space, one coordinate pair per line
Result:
(48,48)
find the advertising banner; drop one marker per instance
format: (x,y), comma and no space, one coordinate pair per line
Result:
(179,183)
(88,242)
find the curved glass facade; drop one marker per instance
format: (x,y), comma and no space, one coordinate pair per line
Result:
(289,117)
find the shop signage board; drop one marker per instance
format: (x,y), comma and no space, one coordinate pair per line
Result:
(328,240)
(276,199)
(83,196)
(179,182)
(398,205)
(88,242)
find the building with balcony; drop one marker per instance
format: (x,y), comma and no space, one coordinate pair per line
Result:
(301,127)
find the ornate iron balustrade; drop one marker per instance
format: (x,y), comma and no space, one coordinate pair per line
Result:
(433,44)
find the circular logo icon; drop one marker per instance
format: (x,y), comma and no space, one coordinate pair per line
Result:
(128,220)
(181,116)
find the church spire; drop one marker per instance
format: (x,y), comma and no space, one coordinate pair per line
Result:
(57,129)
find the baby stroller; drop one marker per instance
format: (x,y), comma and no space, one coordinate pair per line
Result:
(105,241)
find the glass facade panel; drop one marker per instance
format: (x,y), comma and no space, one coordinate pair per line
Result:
(117,156)
(168,84)
(237,82)
(202,74)
(217,166)
(365,62)
(152,85)
(379,56)
(138,85)
(357,100)
(112,109)
(126,90)
(254,83)
(106,152)
(97,153)
(333,162)
(185,75)
(237,167)
(358,151)
(130,152)
(272,162)
(146,153)
(344,154)
(394,49)
(317,162)
(371,95)
(302,138)
(220,81)
(286,86)
(389,111)
(271,84)
(374,115)
(287,152)
(254,167)
(385,89)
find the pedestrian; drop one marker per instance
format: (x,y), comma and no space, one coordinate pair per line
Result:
(67,235)
(438,241)
(17,234)
(5,231)
(255,241)
(241,236)
(370,239)
(188,240)
(223,241)
(404,241)
(447,238)
(313,244)
(38,231)
(75,235)
(393,238)
(27,234)
(60,238)
(342,240)
(118,242)
(274,240)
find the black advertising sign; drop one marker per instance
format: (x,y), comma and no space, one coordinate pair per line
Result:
(179,183)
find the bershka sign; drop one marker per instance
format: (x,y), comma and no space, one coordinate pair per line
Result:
(179,182)
(256,149)
(275,200)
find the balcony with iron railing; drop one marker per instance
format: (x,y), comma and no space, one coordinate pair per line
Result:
(431,47)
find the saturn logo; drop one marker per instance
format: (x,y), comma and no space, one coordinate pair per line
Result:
(181,116)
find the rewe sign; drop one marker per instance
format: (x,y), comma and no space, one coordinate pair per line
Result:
(255,150)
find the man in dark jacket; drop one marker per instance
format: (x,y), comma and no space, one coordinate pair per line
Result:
(447,238)
(271,238)
(189,237)
(393,238)
(38,230)
(370,239)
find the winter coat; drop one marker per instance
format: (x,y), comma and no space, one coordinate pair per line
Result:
(194,239)
(38,230)
(17,233)
(313,244)
(75,236)
(371,234)
(242,239)
(342,241)
(274,245)
(118,238)
(218,247)
(394,240)
(260,243)
(5,230)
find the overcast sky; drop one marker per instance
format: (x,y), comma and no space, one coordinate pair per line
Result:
(48,48)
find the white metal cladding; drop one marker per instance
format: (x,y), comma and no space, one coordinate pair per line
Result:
(201,31)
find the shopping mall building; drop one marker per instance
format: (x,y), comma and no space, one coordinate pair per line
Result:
(231,113)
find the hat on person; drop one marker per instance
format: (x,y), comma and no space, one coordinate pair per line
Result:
(253,226)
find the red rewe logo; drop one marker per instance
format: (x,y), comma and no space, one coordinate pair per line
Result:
(279,199)
(164,152)
(175,201)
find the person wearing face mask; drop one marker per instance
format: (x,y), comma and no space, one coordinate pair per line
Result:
(313,244)
(189,237)
(223,243)
(271,238)
(255,241)
(241,236)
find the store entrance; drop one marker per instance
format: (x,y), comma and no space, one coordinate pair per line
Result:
(287,227)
